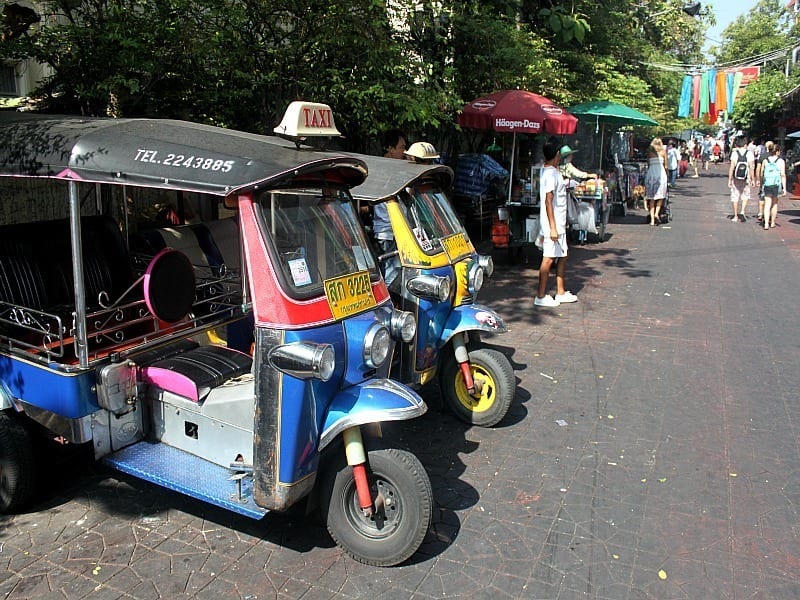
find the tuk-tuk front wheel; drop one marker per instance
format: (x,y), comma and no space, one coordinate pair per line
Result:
(17,471)
(403,501)
(494,390)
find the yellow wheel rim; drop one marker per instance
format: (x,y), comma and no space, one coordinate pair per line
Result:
(477,402)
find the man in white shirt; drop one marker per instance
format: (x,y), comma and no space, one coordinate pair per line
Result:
(673,161)
(553,225)
(741,177)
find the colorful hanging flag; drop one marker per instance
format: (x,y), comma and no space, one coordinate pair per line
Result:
(684,106)
(704,93)
(712,85)
(730,77)
(696,96)
(722,92)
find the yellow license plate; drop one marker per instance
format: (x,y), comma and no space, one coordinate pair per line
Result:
(456,246)
(349,294)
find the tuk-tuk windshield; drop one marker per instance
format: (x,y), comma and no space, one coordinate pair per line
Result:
(430,214)
(315,236)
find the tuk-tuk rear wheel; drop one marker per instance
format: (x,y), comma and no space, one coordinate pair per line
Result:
(17,471)
(401,519)
(495,381)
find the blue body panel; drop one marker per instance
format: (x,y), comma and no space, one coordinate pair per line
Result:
(304,404)
(431,318)
(438,322)
(66,394)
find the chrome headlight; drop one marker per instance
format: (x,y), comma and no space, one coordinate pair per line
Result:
(377,343)
(475,278)
(404,325)
(304,360)
(486,263)
(430,286)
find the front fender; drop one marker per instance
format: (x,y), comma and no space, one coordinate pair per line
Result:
(371,402)
(472,317)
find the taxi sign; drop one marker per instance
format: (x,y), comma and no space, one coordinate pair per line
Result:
(349,294)
(307,119)
(456,246)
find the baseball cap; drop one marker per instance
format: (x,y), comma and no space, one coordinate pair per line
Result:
(565,150)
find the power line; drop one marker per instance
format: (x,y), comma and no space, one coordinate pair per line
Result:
(770,56)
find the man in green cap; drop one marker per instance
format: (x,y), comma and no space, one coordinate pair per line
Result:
(569,170)
(573,175)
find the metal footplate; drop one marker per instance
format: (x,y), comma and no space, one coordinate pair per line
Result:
(182,472)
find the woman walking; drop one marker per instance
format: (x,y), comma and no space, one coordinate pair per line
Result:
(772,174)
(655,180)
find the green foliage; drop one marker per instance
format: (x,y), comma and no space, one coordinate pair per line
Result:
(408,63)
(568,26)
(762,99)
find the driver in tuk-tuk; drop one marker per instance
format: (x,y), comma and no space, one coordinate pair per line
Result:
(395,142)
(419,152)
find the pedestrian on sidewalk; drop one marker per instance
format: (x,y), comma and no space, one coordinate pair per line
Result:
(741,176)
(673,163)
(706,146)
(772,174)
(695,152)
(553,227)
(655,180)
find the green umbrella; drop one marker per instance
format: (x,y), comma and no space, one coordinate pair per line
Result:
(612,113)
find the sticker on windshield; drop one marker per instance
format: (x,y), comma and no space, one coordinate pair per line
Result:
(361,260)
(300,273)
(422,238)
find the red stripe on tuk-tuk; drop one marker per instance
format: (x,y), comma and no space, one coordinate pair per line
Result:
(289,312)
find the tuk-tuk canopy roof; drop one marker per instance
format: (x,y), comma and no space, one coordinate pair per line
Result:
(157,153)
(388,176)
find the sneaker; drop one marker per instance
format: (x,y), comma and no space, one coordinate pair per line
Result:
(566,298)
(547,301)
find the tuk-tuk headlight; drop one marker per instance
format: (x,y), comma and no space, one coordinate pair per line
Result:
(475,278)
(377,343)
(430,286)
(487,264)
(304,360)
(404,325)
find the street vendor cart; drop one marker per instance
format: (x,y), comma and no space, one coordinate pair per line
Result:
(596,197)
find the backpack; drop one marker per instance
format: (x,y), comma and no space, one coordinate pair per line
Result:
(772,172)
(740,170)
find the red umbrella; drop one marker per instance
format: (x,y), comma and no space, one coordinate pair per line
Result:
(517,111)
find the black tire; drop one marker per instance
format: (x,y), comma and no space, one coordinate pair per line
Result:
(17,471)
(493,368)
(394,532)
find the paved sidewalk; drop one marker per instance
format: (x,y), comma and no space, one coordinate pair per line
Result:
(652,451)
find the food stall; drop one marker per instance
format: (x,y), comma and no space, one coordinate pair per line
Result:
(609,115)
(517,111)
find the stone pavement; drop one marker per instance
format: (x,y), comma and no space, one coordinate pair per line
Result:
(651,452)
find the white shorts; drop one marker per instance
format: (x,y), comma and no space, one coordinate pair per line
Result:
(551,249)
(740,192)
